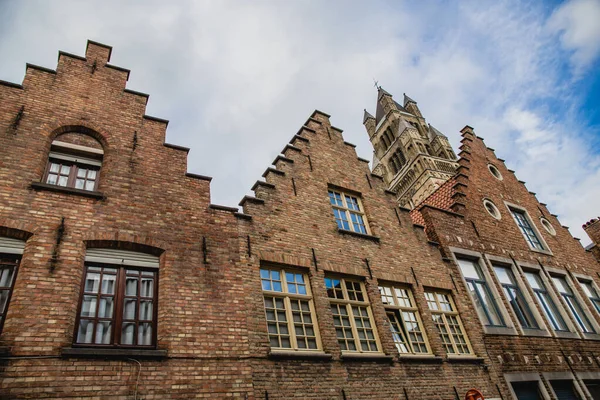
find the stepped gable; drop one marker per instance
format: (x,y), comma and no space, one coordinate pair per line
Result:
(78,77)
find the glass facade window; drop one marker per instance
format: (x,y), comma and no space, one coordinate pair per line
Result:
(515,297)
(72,174)
(348,212)
(485,304)
(527,229)
(352,317)
(545,301)
(405,321)
(289,310)
(573,304)
(118,307)
(448,323)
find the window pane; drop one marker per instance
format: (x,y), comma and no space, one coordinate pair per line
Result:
(81,172)
(89,185)
(103,332)
(129,306)
(88,306)
(91,174)
(79,184)
(85,333)
(147,287)
(62,181)
(105,310)
(127,333)
(131,286)
(145,334)
(561,285)
(3,300)
(108,284)
(52,179)
(92,282)
(145,310)
(6,275)
(470,269)
(54,168)
(504,275)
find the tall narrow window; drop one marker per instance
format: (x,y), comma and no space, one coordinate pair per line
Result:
(546,302)
(118,301)
(352,316)
(289,310)
(527,229)
(515,297)
(405,321)
(591,292)
(485,304)
(573,304)
(448,323)
(8,270)
(348,212)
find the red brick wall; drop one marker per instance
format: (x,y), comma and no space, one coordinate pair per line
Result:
(148,200)
(475,230)
(289,222)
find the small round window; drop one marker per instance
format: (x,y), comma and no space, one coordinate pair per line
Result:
(548,226)
(491,209)
(494,171)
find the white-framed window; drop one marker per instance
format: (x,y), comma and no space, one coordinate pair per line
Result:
(348,212)
(289,309)
(495,172)
(577,311)
(447,322)
(352,317)
(404,318)
(548,226)
(479,289)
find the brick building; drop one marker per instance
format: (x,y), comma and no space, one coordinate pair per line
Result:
(119,279)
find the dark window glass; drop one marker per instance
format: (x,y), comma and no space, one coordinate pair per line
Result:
(546,302)
(482,296)
(527,390)
(564,389)
(8,270)
(573,304)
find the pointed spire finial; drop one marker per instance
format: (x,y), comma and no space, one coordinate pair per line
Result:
(367,116)
(408,100)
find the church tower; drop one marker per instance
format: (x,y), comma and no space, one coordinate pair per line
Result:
(413,157)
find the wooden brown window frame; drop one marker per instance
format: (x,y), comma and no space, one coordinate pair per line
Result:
(118,312)
(72,177)
(8,261)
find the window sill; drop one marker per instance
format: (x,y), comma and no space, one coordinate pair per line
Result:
(360,235)
(499,330)
(93,352)
(591,336)
(536,332)
(566,335)
(416,358)
(299,355)
(67,190)
(377,357)
(465,359)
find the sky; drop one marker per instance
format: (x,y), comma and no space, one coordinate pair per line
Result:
(237,79)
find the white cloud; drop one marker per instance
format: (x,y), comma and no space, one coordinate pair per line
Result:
(237,79)
(578,24)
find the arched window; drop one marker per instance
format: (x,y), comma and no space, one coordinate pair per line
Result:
(118,299)
(75,160)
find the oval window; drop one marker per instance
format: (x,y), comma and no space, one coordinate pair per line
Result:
(491,208)
(548,226)
(494,171)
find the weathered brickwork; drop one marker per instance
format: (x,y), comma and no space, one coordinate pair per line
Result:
(463,227)
(147,202)
(215,331)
